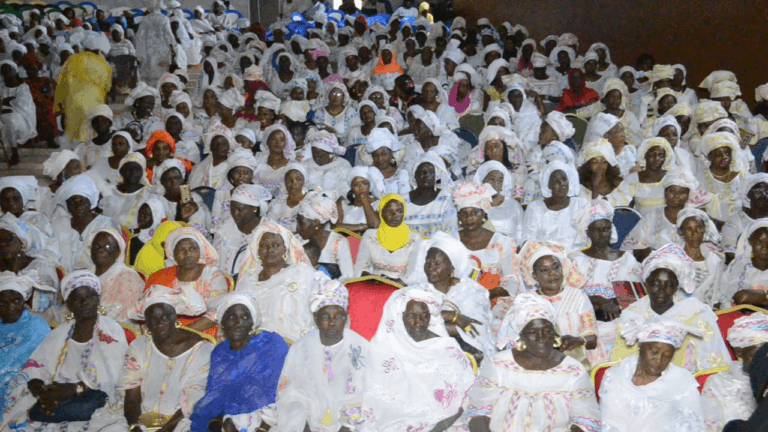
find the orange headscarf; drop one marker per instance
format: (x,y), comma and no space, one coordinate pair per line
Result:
(392,67)
(160,135)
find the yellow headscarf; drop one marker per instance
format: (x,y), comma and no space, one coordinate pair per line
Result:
(392,238)
(151,257)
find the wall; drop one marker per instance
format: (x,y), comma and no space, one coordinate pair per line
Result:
(703,35)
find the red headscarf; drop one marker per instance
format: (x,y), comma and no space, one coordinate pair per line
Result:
(571,99)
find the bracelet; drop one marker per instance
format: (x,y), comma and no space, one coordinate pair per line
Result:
(455,317)
(584,339)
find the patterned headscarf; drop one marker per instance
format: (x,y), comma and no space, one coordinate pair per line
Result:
(327,292)
(533,250)
(596,210)
(293,247)
(599,148)
(560,124)
(324,140)
(746,186)
(252,195)
(290,144)
(711,234)
(502,134)
(673,258)
(77,279)
(656,142)
(22,284)
(716,140)
(319,206)
(470,194)
(490,166)
(184,302)
(81,185)
(208,254)
(526,307)
(749,331)
(657,330)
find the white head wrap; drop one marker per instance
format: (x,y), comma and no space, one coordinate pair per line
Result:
(574,188)
(25,185)
(749,331)
(252,195)
(232,99)
(142,89)
(674,259)
(382,137)
(718,77)
(486,168)
(469,194)
(374,177)
(319,206)
(560,124)
(324,140)
(599,148)
(658,330)
(77,279)
(327,292)
(711,235)
(81,185)
(239,298)
(648,144)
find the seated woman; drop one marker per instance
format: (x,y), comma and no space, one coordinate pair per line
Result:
(655,158)
(230,239)
(668,128)
(380,97)
(274,159)
(107,168)
(549,272)
(358,134)
(60,167)
(749,270)
(506,214)
(444,268)
(243,399)
(151,257)
(322,383)
(277,273)
(724,175)
(385,150)
(600,174)
(72,376)
(501,145)
(186,140)
(389,250)
(416,375)
(430,203)
(80,197)
(464,97)
(20,331)
(283,209)
(160,147)
(132,189)
(19,197)
(615,110)
(196,269)
(327,169)
(435,99)
(121,286)
(212,171)
(97,131)
(645,392)
(240,167)
(494,252)
(548,218)
(338,114)
(754,205)
(316,213)
(157,394)
(727,395)
(357,210)
(150,215)
(515,385)
(701,243)
(578,95)
(169,177)
(141,103)
(664,272)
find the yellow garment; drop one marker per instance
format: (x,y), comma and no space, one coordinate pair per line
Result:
(84,82)
(392,238)
(425,6)
(151,257)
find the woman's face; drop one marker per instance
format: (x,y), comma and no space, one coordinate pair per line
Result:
(665,103)
(11,202)
(132,173)
(450,67)
(516,99)
(437,266)
(330,321)
(171,180)
(244,142)
(78,206)
(186,253)
(546,134)
(284,63)
(494,150)
(654,357)
(496,121)
(599,232)
(577,78)
(306,227)
(676,196)
(720,157)
(661,285)
(612,99)
(336,97)
(271,249)
(360,186)
(669,133)
(692,231)
(759,243)
(144,219)
(416,320)
(146,103)
(297,94)
(496,180)
(558,184)
(161,151)
(352,62)
(210,101)
(464,87)
(237,323)
(393,213)
(598,164)
(120,146)
(655,158)
(539,337)
(167,88)
(425,176)
(104,249)
(241,175)
(10,245)
(429,92)
(386,56)
(382,158)
(294,182)
(471,218)
(242,214)
(265,116)
(83,302)
(321,157)
(161,320)
(367,116)
(564,60)
(590,67)
(685,123)
(628,78)
(219,147)
(101,125)
(378,99)
(173,125)
(548,273)
(73,168)
(276,142)
(758,196)
(11,306)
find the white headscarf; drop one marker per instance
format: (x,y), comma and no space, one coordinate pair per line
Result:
(81,185)
(560,124)
(574,187)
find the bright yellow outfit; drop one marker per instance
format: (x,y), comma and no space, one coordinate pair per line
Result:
(84,82)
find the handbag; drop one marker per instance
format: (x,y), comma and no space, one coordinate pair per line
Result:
(76,409)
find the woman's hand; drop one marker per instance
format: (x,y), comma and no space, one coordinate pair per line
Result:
(37,387)
(229,426)
(611,309)
(571,343)
(498,292)
(187,210)
(465,322)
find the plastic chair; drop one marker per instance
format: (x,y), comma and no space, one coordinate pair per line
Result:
(726,317)
(367,296)
(598,373)
(354,241)
(467,135)
(207,194)
(188,14)
(90,8)
(624,219)
(581,128)
(473,121)
(703,376)
(137,12)
(63,3)
(236,12)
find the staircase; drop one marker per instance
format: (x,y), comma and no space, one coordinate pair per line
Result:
(31,164)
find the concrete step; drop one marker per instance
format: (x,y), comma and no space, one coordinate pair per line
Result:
(31,164)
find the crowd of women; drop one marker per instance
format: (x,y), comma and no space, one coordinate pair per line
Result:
(185,269)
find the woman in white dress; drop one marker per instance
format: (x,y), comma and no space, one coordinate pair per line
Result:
(417,376)
(316,213)
(357,208)
(497,143)
(430,203)
(723,175)
(748,273)
(338,114)
(506,214)
(18,117)
(274,160)
(701,242)
(655,158)
(131,191)
(327,168)
(385,150)
(668,128)
(107,168)
(212,171)
(240,167)
(600,174)
(754,205)
(532,385)
(283,209)
(645,392)
(278,275)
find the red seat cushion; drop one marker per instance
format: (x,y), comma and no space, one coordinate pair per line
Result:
(354,246)
(599,379)
(130,336)
(366,304)
(725,322)
(701,379)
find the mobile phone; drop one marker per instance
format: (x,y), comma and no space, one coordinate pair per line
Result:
(186,195)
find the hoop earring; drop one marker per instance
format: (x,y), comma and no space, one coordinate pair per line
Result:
(69,316)
(179,324)
(285,257)
(392,161)
(558,342)
(102,310)
(520,345)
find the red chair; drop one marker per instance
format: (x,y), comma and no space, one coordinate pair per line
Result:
(131,333)
(702,376)
(726,317)
(367,296)
(354,241)
(598,373)
(60,273)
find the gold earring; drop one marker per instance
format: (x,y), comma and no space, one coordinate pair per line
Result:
(179,324)
(253,332)
(102,310)
(520,345)
(558,342)
(285,257)
(70,316)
